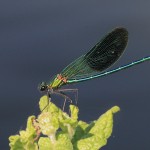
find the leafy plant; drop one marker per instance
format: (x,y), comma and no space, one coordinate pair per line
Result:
(54,129)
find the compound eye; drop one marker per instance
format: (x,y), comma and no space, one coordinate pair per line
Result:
(42,86)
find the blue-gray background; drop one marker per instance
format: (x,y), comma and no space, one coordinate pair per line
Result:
(39,38)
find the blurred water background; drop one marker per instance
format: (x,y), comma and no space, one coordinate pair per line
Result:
(39,38)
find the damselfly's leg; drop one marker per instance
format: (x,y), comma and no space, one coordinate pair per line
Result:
(65,97)
(71,90)
(64,104)
(48,100)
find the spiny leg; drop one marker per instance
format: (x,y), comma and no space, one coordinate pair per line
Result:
(71,90)
(64,104)
(65,97)
(49,100)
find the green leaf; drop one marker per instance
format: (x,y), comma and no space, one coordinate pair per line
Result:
(48,123)
(63,131)
(99,133)
(63,142)
(25,140)
(45,144)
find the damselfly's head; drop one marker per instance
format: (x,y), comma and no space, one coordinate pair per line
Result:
(43,86)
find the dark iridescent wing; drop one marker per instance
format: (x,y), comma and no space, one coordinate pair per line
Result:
(104,54)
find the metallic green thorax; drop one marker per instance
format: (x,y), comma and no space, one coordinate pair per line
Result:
(56,83)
